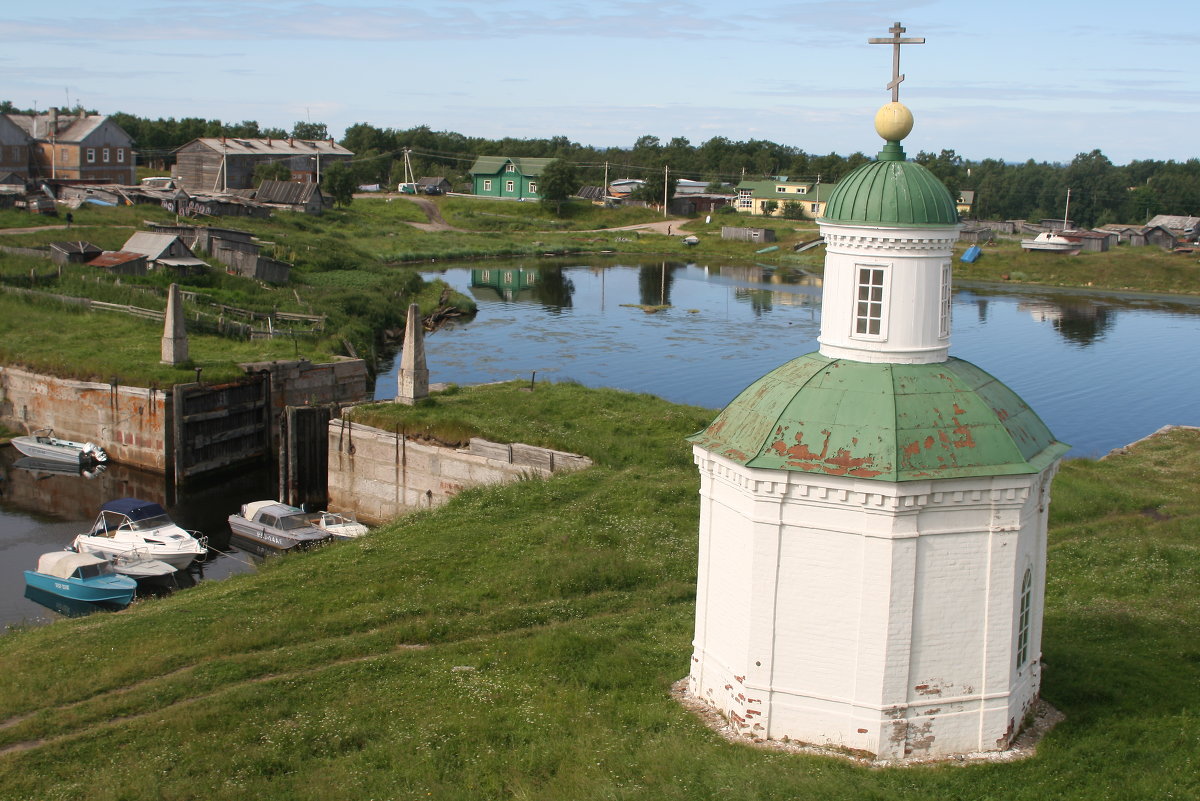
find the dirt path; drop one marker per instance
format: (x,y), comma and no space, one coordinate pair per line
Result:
(435,221)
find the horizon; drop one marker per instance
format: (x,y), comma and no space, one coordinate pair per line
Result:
(1086,76)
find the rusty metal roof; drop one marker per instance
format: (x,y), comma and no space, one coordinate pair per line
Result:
(887,422)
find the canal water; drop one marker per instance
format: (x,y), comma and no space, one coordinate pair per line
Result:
(1102,370)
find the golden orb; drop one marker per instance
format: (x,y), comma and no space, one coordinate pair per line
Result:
(893,122)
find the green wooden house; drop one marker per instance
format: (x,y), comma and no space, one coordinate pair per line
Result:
(502,176)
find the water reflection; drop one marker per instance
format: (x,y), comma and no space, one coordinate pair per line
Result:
(1080,322)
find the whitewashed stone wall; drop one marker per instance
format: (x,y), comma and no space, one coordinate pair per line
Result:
(379,475)
(890,625)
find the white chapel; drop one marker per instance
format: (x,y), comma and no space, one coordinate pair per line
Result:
(873,515)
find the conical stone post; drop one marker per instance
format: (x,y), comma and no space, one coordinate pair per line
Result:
(174,340)
(413,380)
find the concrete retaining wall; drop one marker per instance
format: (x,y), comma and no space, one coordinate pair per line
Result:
(128,422)
(379,475)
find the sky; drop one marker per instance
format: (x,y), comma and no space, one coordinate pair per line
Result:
(1014,81)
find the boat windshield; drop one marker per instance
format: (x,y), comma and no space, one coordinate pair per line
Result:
(295,521)
(158,521)
(91,571)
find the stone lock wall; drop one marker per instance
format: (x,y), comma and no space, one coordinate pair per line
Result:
(130,423)
(379,475)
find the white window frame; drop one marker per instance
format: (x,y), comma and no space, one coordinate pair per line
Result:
(870,317)
(815,208)
(1024,619)
(487,184)
(803,190)
(946,303)
(91,155)
(510,186)
(781,189)
(510,168)
(533,187)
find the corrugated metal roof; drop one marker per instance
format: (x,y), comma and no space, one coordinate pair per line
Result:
(271,147)
(488,165)
(150,245)
(887,422)
(114,257)
(291,193)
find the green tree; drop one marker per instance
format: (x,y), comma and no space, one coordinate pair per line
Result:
(310,130)
(557,183)
(652,190)
(272,171)
(770,207)
(338,183)
(793,210)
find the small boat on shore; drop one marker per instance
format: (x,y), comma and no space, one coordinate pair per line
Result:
(135,530)
(42,444)
(80,577)
(1048,241)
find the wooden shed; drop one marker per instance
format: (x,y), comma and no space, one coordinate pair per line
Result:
(747,234)
(73,252)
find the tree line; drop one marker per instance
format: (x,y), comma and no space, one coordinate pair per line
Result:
(1101,192)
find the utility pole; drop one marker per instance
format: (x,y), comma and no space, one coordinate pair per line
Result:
(666,184)
(605,198)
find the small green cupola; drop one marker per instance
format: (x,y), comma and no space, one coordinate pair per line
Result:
(891,190)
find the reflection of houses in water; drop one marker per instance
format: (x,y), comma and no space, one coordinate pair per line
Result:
(762,299)
(508,283)
(1081,322)
(545,285)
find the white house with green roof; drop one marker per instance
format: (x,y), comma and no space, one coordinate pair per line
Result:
(873,515)
(753,196)
(507,177)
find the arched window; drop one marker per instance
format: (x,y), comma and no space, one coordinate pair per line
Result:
(1023,620)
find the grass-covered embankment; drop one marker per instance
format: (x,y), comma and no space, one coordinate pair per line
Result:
(521,642)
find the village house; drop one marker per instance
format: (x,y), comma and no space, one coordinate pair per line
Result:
(753,196)
(120,262)
(79,147)
(300,196)
(433,185)
(14,154)
(964,202)
(217,163)
(507,177)
(165,251)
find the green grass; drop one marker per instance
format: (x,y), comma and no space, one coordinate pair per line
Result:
(520,642)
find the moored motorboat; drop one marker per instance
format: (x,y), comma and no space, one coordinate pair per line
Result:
(80,577)
(341,526)
(278,526)
(42,444)
(133,529)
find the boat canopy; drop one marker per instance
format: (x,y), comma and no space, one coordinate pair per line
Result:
(134,508)
(63,564)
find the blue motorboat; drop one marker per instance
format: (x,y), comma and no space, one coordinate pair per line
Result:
(80,577)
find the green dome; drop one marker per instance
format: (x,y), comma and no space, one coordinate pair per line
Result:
(888,422)
(891,191)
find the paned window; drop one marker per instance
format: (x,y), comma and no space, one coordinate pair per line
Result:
(120,155)
(868,312)
(533,187)
(509,186)
(487,184)
(814,207)
(91,155)
(107,155)
(781,189)
(1023,620)
(945,306)
(510,168)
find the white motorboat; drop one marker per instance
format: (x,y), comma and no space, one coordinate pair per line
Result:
(278,526)
(344,527)
(1052,242)
(134,530)
(42,444)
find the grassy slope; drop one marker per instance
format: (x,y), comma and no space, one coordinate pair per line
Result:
(341,673)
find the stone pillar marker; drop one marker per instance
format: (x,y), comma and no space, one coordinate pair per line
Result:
(174,340)
(413,380)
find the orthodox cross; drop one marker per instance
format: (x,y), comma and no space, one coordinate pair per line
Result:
(895,42)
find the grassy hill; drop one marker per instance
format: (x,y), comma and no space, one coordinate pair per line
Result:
(521,641)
